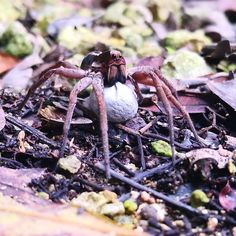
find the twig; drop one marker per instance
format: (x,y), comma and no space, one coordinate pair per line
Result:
(14,163)
(149,173)
(142,158)
(139,140)
(94,186)
(149,125)
(159,195)
(122,167)
(129,131)
(39,135)
(170,201)
(158,136)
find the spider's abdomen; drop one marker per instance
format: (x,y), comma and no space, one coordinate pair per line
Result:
(121,103)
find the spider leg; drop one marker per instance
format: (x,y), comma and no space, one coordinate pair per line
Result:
(166,82)
(79,86)
(162,96)
(136,87)
(177,104)
(98,89)
(139,77)
(74,73)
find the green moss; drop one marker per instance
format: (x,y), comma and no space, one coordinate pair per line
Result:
(184,64)
(130,206)
(180,38)
(161,148)
(161,10)
(15,41)
(198,198)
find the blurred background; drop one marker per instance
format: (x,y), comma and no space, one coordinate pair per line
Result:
(138,28)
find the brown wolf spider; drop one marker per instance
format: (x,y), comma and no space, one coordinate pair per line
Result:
(105,70)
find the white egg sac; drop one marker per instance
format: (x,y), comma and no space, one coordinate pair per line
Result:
(121,103)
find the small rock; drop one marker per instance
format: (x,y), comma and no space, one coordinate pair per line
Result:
(179,223)
(156,211)
(145,196)
(110,196)
(231,167)
(198,198)
(130,206)
(152,200)
(212,223)
(90,201)
(43,195)
(112,209)
(160,211)
(131,167)
(127,221)
(134,195)
(70,163)
(234,230)
(51,188)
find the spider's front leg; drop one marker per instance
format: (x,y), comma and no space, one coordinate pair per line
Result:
(61,68)
(79,87)
(96,81)
(98,89)
(166,93)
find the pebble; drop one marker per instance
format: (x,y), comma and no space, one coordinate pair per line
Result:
(113,209)
(212,223)
(145,196)
(70,163)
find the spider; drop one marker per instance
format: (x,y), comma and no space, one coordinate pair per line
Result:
(106,71)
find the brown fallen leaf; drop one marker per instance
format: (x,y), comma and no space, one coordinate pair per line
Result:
(2,118)
(15,183)
(53,114)
(20,206)
(227,197)
(7,62)
(23,71)
(152,61)
(53,222)
(192,103)
(221,156)
(225,90)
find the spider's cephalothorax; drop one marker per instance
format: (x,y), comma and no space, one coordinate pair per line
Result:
(102,70)
(116,69)
(111,64)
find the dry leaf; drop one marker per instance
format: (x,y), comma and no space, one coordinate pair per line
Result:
(53,222)
(43,217)
(50,113)
(227,197)
(221,156)
(7,62)
(224,90)
(23,71)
